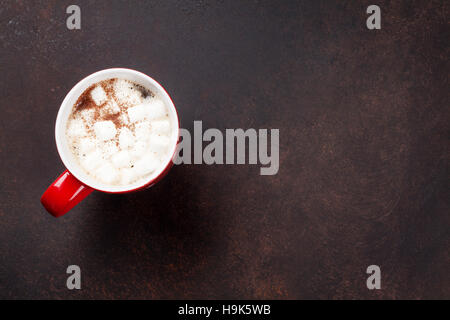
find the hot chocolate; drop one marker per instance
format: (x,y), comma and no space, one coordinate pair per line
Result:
(119,132)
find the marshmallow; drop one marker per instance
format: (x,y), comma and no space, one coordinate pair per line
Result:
(110,108)
(157,108)
(107,173)
(88,115)
(139,112)
(121,159)
(159,143)
(105,130)
(108,149)
(92,161)
(126,92)
(138,149)
(76,128)
(160,126)
(124,118)
(147,164)
(142,130)
(99,95)
(86,145)
(126,138)
(127,175)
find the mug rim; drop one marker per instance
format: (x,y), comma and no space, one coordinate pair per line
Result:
(73,167)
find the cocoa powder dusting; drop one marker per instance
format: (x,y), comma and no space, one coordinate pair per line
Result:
(85,101)
(115,118)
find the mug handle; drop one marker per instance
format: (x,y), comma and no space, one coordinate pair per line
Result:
(64,194)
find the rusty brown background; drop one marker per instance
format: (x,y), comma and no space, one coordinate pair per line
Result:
(364,151)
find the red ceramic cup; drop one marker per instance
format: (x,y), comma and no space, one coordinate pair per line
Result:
(74,184)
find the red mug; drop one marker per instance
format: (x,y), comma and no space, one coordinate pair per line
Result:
(74,184)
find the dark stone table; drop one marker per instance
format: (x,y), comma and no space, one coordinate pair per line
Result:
(364,151)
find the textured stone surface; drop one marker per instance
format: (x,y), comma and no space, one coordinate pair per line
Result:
(364,150)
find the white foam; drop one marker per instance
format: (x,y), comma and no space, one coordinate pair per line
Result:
(105,130)
(99,95)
